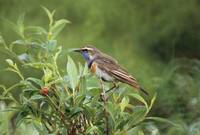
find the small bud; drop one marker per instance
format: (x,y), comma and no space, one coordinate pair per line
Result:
(49,35)
(44,91)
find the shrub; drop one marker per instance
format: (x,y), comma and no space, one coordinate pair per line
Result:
(64,102)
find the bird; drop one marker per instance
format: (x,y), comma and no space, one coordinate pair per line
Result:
(107,68)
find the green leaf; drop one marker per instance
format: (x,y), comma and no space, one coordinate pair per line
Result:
(80,69)
(85,70)
(58,27)
(194,128)
(20,24)
(13,26)
(72,73)
(36,81)
(3,42)
(20,21)
(141,99)
(8,109)
(12,70)
(75,111)
(10,62)
(36,29)
(115,97)
(159,119)
(91,130)
(134,130)
(21,116)
(112,110)
(19,27)
(50,15)
(124,103)
(92,83)
(152,102)
(57,53)
(3,87)
(19,42)
(39,127)
(80,99)
(37,97)
(93,91)
(140,133)
(51,45)
(39,65)
(139,113)
(30,90)
(89,110)
(48,75)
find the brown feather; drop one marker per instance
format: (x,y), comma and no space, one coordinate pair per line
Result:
(111,67)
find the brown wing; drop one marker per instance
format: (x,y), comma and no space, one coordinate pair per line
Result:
(109,58)
(115,70)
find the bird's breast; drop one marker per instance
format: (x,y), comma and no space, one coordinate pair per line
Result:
(93,68)
(101,74)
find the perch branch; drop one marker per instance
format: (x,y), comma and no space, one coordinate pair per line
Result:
(105,99)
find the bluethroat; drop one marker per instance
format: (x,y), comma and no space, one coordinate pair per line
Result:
(107,68)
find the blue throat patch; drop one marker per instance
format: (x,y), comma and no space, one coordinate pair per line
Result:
(87,58)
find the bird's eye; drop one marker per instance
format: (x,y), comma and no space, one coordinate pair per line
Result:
(84,50)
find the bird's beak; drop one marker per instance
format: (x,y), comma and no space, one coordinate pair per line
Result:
(75,50)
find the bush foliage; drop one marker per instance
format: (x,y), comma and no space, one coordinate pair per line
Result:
(157,41)
(63,102)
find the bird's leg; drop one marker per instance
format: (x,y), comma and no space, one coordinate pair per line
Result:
(103,93)
(114,87)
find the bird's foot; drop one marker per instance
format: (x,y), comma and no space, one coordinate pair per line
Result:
(113,88)
(103,97)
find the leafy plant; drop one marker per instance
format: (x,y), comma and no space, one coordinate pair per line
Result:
(70,102)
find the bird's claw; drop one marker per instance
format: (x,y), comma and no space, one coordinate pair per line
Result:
(103,97)
(113,88)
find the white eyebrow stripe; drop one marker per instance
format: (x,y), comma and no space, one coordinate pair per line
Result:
(87,48)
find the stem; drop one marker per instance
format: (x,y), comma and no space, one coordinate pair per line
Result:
(19,73)
(57,109)
(106,114)
(12,87)
(3,87)
(13,55)
(4,44)
(49,130)
(59,75)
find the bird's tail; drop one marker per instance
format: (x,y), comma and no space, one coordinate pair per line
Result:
(135,84)
(144,91)
(128,79)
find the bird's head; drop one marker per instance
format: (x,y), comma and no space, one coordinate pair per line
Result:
(87,52)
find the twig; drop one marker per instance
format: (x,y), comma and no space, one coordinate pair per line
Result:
(105,99)
(57,109)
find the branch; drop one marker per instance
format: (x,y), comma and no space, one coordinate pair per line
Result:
(106,114)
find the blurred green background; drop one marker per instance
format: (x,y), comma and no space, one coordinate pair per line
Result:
(157,41)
